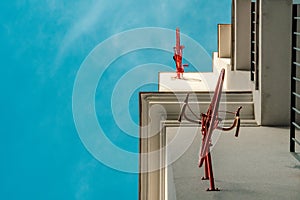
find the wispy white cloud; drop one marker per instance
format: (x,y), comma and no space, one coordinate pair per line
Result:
(83,175)
(86,21)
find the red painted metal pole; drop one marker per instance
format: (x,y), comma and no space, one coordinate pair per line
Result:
(210,174)
(206,176)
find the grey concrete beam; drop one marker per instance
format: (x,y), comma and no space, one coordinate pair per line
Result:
(275,58)
(242,35)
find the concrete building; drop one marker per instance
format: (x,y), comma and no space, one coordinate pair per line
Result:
(257,51)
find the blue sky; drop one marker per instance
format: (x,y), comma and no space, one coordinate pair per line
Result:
(43,45)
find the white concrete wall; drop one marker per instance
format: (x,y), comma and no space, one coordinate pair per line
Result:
(273,97)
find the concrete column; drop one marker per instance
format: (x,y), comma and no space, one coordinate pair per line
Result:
(273,97)
(224,40)
(242,34)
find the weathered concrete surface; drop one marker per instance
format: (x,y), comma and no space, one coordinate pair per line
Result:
(256,165)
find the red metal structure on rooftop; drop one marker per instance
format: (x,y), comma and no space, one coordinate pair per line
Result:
(209,122)
(178,49)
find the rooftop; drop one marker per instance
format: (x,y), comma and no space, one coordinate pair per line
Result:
(256,165)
